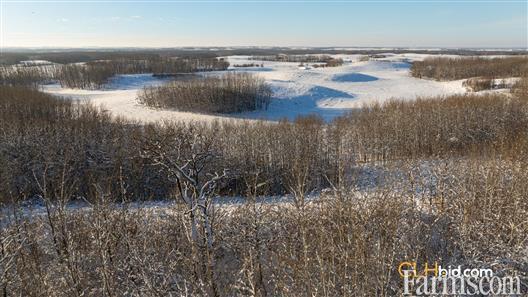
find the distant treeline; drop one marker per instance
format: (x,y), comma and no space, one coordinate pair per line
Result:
(232,92)
(249,65)
(330,61)
(66,56)
(294,58)
(96,74)
(162,65)
(327,60)
(442,68)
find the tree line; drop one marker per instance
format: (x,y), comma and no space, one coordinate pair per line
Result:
(328,61)
(27,76)
(10,57)
(228,93)
(293,58)
(444,68)
(41,134)
(95,74)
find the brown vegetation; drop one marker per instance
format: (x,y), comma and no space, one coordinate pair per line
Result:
(441,68)
(232,92)
(248,65)
(326,60)
(520,88)
(343,245)
(478,84)
(454,190)
(9,57)
(37,129)
(95,74)
(26,76)
(294,58)
(330,63)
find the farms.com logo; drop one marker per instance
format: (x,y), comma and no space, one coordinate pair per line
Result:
(432,279)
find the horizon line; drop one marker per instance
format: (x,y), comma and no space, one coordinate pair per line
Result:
(265,47)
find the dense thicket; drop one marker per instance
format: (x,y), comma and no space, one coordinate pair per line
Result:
(232,92)
(96,74)
(83,76)
(38,132)
(453,189)
(439,126)
(343,245)
(330,63)
(162,65)
(27,76)
(520,88)
(443,68)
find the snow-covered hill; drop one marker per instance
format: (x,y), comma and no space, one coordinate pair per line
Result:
(328,92)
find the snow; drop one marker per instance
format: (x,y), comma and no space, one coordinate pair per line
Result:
(34,63)
(35,208)
(353,77)
(120,98)
(328,92)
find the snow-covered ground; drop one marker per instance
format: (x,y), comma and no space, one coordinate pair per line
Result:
(120,98)
(34,63)
(328,92)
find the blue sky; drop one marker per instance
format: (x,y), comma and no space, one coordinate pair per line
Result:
(265,23)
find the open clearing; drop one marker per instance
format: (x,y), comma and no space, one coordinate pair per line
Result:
(328,92)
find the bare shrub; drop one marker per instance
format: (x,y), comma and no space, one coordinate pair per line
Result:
(478,84)
(441,68)
(364,58)
(520,88)
(94,74)
(438,126)
(233,92)
(83,76)
(25,76)
(292,157)
(355,241)
(454,191)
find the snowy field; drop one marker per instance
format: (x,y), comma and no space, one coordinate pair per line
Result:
(328,92)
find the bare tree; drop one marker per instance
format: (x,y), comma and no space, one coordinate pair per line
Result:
(232,92)
(196,190)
